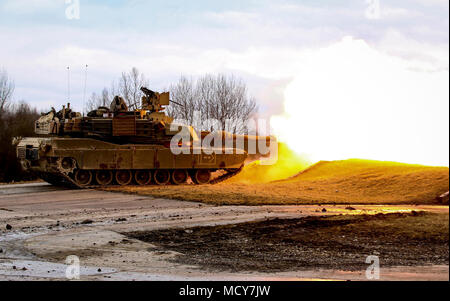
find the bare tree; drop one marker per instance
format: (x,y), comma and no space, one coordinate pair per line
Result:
(102,100)
(128,87)
(183,93)
(221,98)
(6,91)
(17,120)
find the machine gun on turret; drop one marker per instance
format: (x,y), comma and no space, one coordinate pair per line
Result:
(153,101)
(152,105)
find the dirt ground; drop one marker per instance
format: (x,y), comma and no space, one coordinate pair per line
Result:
(48,223)
(311,242)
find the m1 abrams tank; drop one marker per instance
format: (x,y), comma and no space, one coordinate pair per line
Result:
(114,146)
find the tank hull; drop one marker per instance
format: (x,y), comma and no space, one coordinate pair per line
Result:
(61,159)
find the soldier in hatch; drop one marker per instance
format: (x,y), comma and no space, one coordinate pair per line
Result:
(118,105)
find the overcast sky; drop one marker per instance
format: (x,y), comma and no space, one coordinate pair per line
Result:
(275,46)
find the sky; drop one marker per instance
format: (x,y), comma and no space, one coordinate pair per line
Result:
(337,79)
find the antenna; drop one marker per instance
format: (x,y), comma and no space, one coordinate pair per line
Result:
(68,83)
(85,82)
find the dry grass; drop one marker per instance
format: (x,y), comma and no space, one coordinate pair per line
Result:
(415,226)
(336,182)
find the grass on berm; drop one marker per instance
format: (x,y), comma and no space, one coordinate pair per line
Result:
(328,182)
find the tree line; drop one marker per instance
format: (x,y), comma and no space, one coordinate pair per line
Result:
(16,120)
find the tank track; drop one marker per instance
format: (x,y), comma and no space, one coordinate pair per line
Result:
(65,180)
(225,176)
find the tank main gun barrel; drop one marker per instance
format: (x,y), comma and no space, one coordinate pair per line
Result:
(255,146)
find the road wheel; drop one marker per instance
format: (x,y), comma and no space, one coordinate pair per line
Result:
(104,177)
(123,177)
(66,165)
(179,176)
(83,177)
(201,176)
(162,177)
(143,177)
